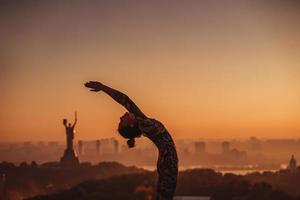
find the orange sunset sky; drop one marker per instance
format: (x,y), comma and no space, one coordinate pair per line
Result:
(206,69)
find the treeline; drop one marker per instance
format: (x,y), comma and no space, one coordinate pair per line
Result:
(199,182)
(26,180)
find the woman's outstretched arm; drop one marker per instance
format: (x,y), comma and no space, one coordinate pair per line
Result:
(118,96)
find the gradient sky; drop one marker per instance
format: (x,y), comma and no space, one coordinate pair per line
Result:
(206,69)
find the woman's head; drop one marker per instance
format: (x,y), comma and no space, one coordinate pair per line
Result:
(128,128)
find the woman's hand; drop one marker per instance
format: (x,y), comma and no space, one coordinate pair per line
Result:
(118,96)
(94,86)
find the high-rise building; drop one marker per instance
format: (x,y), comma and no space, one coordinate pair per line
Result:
(200,147)
(225,147)
(255,144)
(98,145)
(116,146)
(53,144)
(80,147)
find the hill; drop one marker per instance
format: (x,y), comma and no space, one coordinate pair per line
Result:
(198,182)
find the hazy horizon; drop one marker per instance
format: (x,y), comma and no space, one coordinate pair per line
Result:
(205,69)
(118,137)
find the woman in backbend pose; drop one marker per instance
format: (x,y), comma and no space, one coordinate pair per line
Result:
(132,124)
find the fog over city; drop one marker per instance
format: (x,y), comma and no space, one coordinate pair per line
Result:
(231,154)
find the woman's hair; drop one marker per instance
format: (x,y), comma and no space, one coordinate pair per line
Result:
(129,132)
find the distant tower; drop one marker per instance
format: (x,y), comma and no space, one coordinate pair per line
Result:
(116,146)
(98,144)
(80,147)
(200,147)
(225,147)
(293,165)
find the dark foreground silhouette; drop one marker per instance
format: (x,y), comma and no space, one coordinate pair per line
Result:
(199,182)
(27,180)
(115,181)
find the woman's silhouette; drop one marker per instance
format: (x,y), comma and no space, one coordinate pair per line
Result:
(132,125)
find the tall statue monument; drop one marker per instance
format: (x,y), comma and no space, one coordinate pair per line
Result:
(69,158)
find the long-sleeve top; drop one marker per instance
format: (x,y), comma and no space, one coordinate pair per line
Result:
(167,163)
